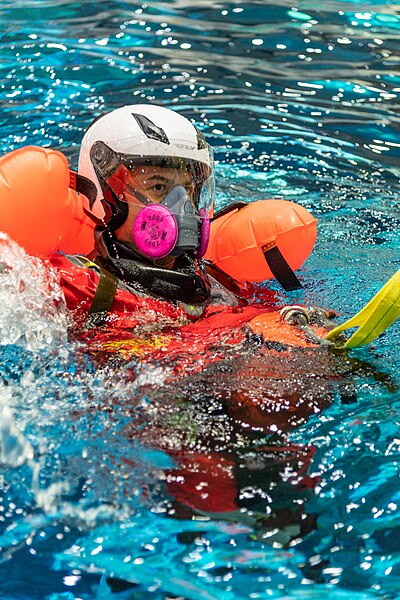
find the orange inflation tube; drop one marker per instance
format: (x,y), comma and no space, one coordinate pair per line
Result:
(38,209)
(241,238)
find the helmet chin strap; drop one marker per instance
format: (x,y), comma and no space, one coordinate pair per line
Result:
(116,211)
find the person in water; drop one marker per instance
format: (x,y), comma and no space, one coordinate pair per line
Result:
(150,174)
(154,177)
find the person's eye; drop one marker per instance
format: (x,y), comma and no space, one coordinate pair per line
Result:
(159,187)
(158,190)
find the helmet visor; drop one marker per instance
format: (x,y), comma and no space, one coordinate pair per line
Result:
(149,179)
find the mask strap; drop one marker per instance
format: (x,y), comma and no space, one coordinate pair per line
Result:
(141,197)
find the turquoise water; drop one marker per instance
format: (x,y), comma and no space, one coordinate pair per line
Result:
(300,102)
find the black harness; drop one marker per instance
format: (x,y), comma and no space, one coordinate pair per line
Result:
(187,283)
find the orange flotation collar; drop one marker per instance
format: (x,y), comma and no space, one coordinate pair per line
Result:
(44,207)
(262,240)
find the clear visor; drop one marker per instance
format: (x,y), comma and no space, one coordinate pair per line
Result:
(143,180)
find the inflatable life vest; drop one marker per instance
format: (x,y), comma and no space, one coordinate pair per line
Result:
(262,240)
(41,206)
(45,208)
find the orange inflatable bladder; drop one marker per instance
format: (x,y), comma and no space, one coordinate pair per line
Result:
(239,238)
(272,329)
(38,210)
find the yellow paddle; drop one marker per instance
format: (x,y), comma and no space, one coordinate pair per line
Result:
(375,317)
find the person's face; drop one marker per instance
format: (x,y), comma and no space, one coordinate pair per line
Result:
(154,183)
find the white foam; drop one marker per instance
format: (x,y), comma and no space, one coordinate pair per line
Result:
(15,450)
(32,306)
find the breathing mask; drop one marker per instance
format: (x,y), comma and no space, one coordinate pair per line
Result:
(172,227)
(176,194)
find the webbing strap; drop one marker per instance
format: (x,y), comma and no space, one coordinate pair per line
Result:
(105,292)
(228,209)
(84,186)
(280,268)
(106,286)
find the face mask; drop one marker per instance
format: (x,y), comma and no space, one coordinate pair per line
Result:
(172,227)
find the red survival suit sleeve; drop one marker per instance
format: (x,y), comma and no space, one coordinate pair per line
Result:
(79,284)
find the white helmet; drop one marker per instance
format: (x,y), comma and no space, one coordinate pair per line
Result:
(142,134)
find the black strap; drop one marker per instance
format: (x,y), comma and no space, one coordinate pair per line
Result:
(187,282)
(228,209)
(84,186)
(226,280)
(280,268)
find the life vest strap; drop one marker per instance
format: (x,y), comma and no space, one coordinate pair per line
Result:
(280,268)
(225,280)
(106,287)
(227,209)
(105,292)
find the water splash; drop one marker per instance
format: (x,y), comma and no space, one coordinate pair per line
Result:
(15,450)
(32,307)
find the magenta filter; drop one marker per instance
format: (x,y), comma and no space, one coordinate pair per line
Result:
(155,231)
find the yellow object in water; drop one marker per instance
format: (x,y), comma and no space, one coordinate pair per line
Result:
(375,317)
(136,346)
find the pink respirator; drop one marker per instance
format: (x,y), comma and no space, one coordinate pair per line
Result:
(172,227)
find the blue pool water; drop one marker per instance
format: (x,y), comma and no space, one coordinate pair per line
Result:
(301,102)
